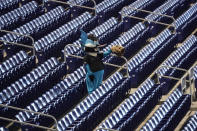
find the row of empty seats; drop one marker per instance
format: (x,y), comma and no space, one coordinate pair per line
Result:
(163,9)
(142,56)
(93,104)
(15,67)
(178,54)
(56,40)
(132,111)
(77,2)
(191,124)
(32,84)
(7,5)
(167,39)
(138,4)
(37,27)
(53,98)
(186,16)
(182,57)
(131,46)
(53,102)
(112,33)
(129,40)
(170,112)
(19,16)
(105,5)
(138,63)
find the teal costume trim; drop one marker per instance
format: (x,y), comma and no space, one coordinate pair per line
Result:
(85,40)
(98,76)
(84,37)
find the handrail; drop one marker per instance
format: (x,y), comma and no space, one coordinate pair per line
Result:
(150,12)
(81,6)
(181,69)
(109,64)
(188,72)
(105,129)
(29,124)
(191,75)
(19,44)
(162,66)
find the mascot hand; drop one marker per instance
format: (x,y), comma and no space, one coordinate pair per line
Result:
(118,50)
(91,77)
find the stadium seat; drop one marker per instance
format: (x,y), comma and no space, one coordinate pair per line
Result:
(15,67)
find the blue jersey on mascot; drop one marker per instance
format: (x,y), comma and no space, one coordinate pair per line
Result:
(93,61)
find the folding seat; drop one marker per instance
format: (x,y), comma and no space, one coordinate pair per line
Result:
(109,123)
(80,73)
(154,121)
(33,107)
(188,128)
(27,114)
(113,120)
(53,93)
(7,93)
(21,116)
(82,107)
(95,96)
(129,103)
(70,118)
(87,103)
(64,125)
(43,101)
(191,123)
(3,97)
(47,97)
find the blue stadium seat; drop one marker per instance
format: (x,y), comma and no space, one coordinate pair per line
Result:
(179,58)
(138,4)
(43,89)
(7,5)
(15,67)
(36,28)
(175,107)
(191,124)
(186,17)
(95,103)
(56,40)
(19,16)
(132,110)
(32,84)
(64,93)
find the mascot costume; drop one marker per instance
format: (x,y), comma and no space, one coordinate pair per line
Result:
(93,60)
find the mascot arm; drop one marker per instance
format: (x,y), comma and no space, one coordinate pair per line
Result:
(106,53)
(84,37)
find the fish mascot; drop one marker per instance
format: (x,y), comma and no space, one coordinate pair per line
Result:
(93,59)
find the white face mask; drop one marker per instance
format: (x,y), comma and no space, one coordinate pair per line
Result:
(90,45)
(92,54)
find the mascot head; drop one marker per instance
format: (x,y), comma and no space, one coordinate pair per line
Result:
(91,44)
